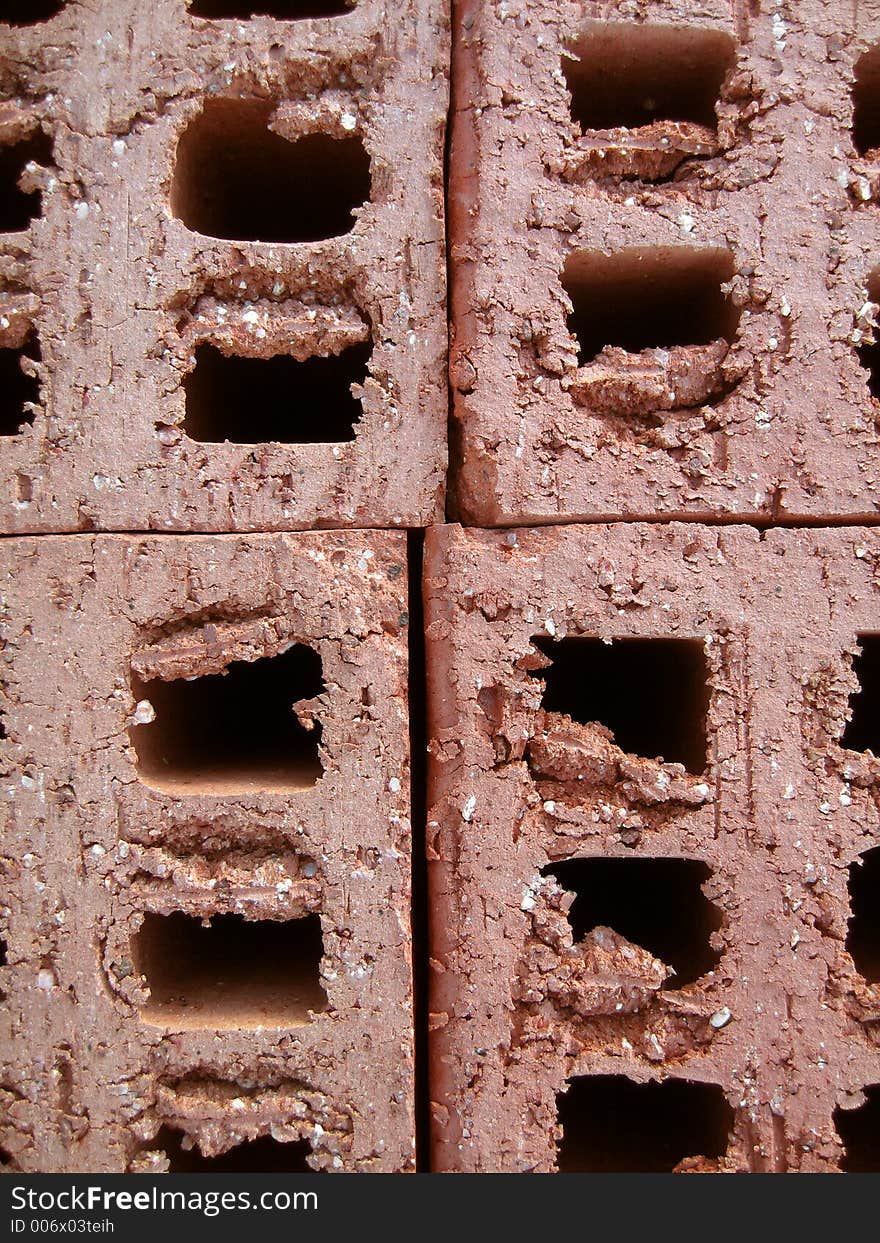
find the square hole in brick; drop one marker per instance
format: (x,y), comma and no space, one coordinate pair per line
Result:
(283,10)
(628,74)
(859,1131)
(862,731)
(651,693)
(18,207)
(612,1125)
(869,354)
(235,178)
(232,731)
(866,103)
(256,1156)
(863,936)
(19,387)
(29,12)
(639,299)
(259,400)
(657,904)
(230,972)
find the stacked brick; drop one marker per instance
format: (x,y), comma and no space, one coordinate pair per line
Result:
(712,946)
(635,334)
(652,834)
(652,666)
(224,328)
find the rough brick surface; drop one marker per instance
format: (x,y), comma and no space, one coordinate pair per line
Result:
(783,1022)
(96,849)
(774,196)
(121,293)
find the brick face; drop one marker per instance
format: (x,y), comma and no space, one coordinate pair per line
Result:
(650,669)
(143,110)
(525,994)
(551,205)
(100,855)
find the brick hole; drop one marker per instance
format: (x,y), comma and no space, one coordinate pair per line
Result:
(859,1131)
(651,693)
(19,387)
(863,935)
(230,973)
(234,178)
(232,731)
(630,75)
(657,904)
(862,731)
(612,1125)
(19,207)
(640,299)
(866,102)
(3,952)
(257,1156)
(29,12)
(258,400)
(284,10)
(869,354)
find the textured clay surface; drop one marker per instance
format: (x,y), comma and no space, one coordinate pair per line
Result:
(732,177)
(323,136)
(772,821)
(134,1034)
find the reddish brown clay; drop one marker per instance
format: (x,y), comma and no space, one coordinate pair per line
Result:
(167,143)
(769,816)
(147,685)
(684,176)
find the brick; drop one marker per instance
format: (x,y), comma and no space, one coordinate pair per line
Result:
(190,376)
(146,684)
(634,331)
(570,867)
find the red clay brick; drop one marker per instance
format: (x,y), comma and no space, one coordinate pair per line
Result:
(745,225)
(124,1015)
(157,120)
(779,812)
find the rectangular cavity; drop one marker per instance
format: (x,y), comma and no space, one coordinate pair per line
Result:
(611,1124)
(866,103)
(257,1156)
(651,693)
(656,904)
(641,298)
(859,1131)
(230,972)
(278,399)
(236,178)
(862,732)
(19,387)
(863,935)
(19,201)
(233,731)
(628,74)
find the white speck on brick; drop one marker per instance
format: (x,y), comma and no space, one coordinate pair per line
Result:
(144,713)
